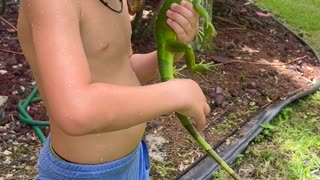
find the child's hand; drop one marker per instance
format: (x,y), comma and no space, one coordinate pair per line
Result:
(191,101)
(184,21)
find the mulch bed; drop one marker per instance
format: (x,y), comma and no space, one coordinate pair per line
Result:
(257,63)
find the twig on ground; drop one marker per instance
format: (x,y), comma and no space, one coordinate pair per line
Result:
(266,105)
(9,51)
(8,23)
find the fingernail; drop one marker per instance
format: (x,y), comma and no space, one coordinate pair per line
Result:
(169,12)
(173,5)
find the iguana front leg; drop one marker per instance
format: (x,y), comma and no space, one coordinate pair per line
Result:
(178,47)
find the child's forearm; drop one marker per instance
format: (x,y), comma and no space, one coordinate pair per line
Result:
(145,66)
(104,107)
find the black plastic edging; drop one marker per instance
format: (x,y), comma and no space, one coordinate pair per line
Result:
(204,168)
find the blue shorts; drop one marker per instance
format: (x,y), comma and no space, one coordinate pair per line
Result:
(134,166)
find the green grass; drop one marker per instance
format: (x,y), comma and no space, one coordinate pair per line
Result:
(301,15)
(289,147)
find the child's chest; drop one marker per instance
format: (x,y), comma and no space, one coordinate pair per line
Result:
(103,30)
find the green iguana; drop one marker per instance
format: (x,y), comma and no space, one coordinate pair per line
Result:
(168,46)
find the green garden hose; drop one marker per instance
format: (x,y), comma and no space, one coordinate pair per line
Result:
(27,119)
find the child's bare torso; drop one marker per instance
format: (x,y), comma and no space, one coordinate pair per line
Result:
(106,39)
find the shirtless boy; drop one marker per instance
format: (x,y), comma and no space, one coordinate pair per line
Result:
(90,81)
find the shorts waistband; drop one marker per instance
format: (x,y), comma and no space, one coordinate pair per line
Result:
(61,169)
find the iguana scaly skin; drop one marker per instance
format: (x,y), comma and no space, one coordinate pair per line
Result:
(168,46)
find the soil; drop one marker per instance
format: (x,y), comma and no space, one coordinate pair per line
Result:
(257,63)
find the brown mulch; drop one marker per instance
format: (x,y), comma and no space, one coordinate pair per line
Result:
(257,63)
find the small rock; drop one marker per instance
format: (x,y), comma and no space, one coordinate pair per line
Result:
(15,143)
(5,137)
(3,72)
(11,30)
(6,152)
(252,91)
(156,144)
(300,69)
(154,124)
(251,85)
(262,70)
(293,67)
(219,90)
(9,175)
(33,158)
(7,160)
(22,88)
(4,56)
(228,142)
(17,128)
(15,92)
(219,99)
(3,101)
(12,61)
(273,73)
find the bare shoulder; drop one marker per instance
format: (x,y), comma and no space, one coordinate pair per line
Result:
(40,9)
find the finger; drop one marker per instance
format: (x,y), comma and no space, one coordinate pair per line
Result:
(189,6)
(181,20)
(207,109)
(178,30)
(188,14)
(200,124)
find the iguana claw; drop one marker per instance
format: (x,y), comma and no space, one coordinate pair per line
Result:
(201,67)
(176,72)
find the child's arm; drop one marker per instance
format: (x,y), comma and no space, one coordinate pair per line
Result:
(183,19)
(77,105)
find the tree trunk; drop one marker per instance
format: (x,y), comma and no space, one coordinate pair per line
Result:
(208,4)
